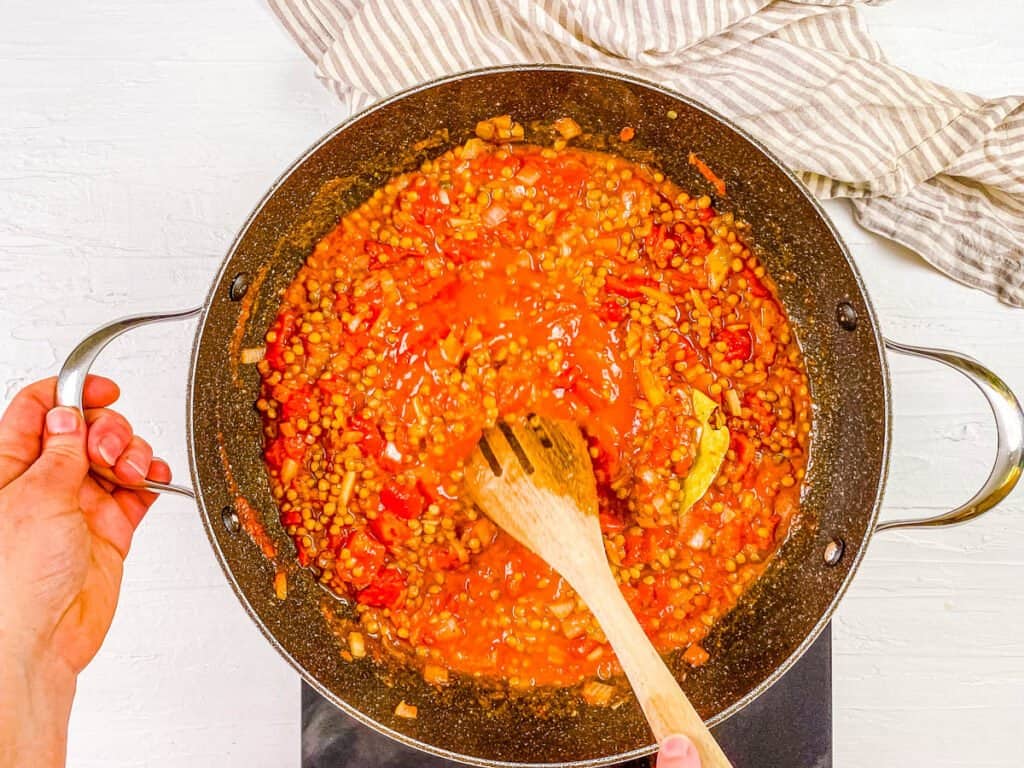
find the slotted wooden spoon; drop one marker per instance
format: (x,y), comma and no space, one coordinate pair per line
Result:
(534,479)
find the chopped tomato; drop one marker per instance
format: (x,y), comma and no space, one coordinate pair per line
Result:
(297,405)
(372,441)
(756,286)
(739,345)
(639,548)
(403,500)
(611,523)
(385,591)
(744,450)
(628,287)
(390,529)
(369,554)
(282,329)
(613,311)
(652,242)
(283,448)
(442,559)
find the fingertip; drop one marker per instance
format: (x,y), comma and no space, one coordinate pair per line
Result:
(99,391)
(160,471)
(678,752)
(63,421)
(109,436)
(134,464)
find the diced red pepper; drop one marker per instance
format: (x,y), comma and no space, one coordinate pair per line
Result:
(741,445)
(652,242)
(297,405)
(385,591)
(645,596)
(442,559)
(639,549)
(391,254)
(611,523)
(682,466)
(757,288)
(402,500)
(613,311)
(367,552)
(628,287)
(337,540)
(582,645)
(680,282)
(282,448)
(389,528)
(739,345)
(283,329)
(331,386)
(372,443)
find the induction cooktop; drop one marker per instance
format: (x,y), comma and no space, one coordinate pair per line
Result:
(789,726)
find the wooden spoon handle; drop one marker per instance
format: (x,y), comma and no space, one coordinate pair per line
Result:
(666,707)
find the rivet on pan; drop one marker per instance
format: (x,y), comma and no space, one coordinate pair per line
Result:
(229,517)
(846,316)
(834,551)
(239,286)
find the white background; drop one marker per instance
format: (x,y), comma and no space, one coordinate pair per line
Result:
(135,136)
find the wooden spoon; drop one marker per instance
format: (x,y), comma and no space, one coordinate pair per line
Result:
(535,480)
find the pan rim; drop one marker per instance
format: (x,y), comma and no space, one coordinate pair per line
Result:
(872,323)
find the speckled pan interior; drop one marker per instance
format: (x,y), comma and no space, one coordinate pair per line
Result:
(776,620)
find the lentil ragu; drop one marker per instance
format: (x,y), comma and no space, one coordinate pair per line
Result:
(502,279)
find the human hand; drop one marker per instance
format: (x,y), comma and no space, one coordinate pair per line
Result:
(678,752)
(63,538)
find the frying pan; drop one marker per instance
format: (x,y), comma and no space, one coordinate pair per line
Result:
(774,623)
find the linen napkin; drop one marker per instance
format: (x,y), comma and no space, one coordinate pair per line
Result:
(935,169)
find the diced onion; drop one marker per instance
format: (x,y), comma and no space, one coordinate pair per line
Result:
(494,215)
(530,175)
(252,355)
(356,645)
(408,711)
(732,400)
(348,484)
(568,128)
(562,609)
(695,655)
(717,261)
(698,539)
(435,674)
(597,694)
(289,469)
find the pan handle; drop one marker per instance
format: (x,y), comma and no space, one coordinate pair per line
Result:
(1009,463)
(71,380)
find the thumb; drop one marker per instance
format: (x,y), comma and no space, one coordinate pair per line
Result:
(63,464)
(678,752)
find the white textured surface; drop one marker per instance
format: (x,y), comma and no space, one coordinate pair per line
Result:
(134,139)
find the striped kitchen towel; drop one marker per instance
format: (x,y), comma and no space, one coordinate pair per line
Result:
(933,168)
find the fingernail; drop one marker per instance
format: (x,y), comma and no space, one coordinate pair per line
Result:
(62,421)
(109,448)
(677,746)
(136,467)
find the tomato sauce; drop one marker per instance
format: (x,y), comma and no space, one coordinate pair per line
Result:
(503,279)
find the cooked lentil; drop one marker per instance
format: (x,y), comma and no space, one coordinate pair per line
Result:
(503,279)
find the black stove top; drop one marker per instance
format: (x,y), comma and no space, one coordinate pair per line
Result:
(790,726)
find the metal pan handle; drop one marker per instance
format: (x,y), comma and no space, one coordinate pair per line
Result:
(1009,463)
(71,381)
